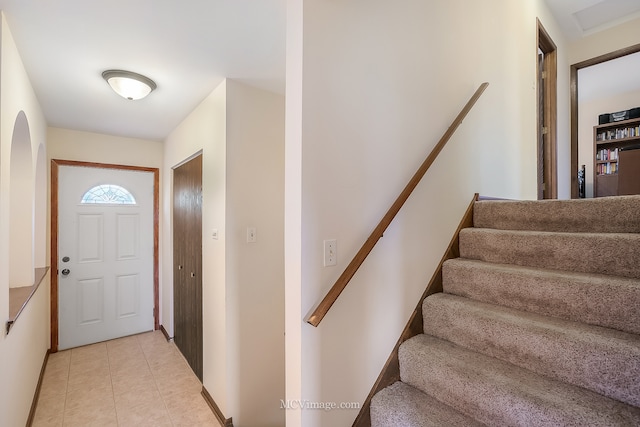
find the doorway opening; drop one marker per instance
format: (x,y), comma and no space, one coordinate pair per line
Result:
(55,164)
(574,105)
(547,76)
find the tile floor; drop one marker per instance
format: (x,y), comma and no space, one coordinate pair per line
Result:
(141,380)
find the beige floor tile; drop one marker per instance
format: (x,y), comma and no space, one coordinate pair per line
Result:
(131,349)
(170,386)
(124,383)
(138,381)
(164,356)
(173,365)
(151,350)
(90,397)
(149,414)
(195,413)
(91,417)
(59,361)
(155,345)
(139,396)
(126,351)
(126,355)
(131,340)
(179,402)
(81,373)
(151,337)
(89,352)
(91,380)
(137,367)
(51,406)
(56,373)
(86,360)
(54,386)
(88,364)
(59,356)
(43,421)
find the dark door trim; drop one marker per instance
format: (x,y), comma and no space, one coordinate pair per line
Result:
(54,237)
(547,117)
(574,105)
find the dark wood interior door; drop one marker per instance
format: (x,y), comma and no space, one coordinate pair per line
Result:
(187,261)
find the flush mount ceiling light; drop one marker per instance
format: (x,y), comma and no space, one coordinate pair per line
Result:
(129,85)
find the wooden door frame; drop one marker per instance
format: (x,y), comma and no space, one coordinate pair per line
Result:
(574,105)
(55,163)
(549,156)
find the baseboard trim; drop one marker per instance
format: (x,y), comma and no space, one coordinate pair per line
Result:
(165,333)
(36,395)
(225,422)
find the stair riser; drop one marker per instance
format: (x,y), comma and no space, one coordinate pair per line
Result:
(622,215)
(593,299)
(500,394)
(614,254)
(601,360)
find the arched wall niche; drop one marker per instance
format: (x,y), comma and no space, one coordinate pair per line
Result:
(21,205)
(40,208)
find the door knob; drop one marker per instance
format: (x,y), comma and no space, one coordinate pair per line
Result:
(179,267)
(66,272)
(65,259)
(193,274)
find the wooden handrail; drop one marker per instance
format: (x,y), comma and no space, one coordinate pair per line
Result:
(335,291)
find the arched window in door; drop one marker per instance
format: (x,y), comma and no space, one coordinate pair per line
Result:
(108,194)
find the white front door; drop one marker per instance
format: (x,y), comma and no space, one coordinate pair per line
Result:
(105,248)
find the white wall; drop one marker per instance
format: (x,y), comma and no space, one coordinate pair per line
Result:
(255,271)
(22,353)
(378,85)
(23,350)
(204,130)
(588,113)
(240,132)
(67,144)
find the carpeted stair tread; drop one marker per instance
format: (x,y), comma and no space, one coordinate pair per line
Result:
(498,393)
(596,299)
(615,254)
(600,215)
(402,405)
(602,360)
(538,324)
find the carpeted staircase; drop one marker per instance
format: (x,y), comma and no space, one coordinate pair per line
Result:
(538,324)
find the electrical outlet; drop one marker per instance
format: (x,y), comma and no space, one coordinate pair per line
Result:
(330,252)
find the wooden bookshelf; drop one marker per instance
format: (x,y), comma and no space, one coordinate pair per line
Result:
(609,140)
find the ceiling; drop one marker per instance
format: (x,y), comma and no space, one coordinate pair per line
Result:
(186,47)
(580,18)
